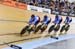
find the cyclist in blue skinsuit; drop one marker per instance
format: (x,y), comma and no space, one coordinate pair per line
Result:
(46,20)
(34,20)
(66,27)
(44,23)
(56,26)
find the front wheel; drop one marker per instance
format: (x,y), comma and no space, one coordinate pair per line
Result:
(57,28)
(51,29)
(43,29)
(37,29)
(67,28)
(24,30)
(62,28)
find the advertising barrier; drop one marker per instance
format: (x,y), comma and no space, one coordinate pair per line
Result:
(55,12)
(64,13)
(72,14)
(38,9)
(67,13)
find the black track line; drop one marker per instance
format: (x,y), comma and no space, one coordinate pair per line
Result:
(19,41)
(13,21)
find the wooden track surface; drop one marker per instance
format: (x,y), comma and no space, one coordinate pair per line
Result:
(11,24)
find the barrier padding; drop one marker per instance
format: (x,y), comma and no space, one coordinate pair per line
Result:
(14,4)
(22,6)
(8,2)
